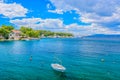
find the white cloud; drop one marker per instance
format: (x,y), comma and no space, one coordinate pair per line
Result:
(58,11)
(58,25)
(94,18)
(104,7)
(61,5)
(100,12)
(12,10)
(26,22)
(48,6)
(38,23)
(83,30)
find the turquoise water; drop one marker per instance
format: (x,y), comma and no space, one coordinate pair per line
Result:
(82,58)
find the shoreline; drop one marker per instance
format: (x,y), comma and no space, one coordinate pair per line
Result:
(19,39)
(27,39)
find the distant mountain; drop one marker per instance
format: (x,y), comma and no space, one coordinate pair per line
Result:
(102,36)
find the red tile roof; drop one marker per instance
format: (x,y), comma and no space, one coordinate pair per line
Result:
(16,31)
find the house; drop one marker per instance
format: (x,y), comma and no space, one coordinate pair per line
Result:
(15,34)
(1,37)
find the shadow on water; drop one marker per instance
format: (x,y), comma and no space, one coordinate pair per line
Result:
(60,75)
(66,76)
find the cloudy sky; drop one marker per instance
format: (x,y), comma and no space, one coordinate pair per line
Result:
(81,17)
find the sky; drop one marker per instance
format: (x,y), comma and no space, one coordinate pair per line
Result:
(80,17)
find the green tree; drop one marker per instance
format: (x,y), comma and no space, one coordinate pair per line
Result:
(9,27)
(5,31)
(29,32)
(25,29)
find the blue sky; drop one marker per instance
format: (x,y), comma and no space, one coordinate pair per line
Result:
(80,17)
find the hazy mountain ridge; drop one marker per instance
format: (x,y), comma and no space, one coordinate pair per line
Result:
(103,36)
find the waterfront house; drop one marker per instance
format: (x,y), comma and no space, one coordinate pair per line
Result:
(15,34)
(1,37)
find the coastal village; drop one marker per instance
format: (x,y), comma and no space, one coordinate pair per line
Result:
(26,33)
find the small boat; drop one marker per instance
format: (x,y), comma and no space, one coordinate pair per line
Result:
(27,39)
(58,67)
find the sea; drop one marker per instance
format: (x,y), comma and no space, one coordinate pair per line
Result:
(84,59)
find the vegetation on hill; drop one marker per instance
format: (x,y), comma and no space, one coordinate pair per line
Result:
(29,32)
(52,34)
(5,31)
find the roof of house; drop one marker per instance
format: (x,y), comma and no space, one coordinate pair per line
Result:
(16,31)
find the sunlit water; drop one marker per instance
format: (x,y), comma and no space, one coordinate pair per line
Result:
(82,59)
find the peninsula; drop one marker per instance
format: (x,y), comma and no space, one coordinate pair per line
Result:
(24,33)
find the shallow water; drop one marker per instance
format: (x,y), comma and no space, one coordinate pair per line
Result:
(82,58)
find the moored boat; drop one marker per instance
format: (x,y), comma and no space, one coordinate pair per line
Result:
(58,67)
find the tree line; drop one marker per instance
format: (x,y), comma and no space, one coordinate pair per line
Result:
(5,30)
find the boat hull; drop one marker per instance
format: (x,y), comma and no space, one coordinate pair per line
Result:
(58,67)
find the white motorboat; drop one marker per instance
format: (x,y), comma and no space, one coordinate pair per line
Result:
(58,67)
(27,39)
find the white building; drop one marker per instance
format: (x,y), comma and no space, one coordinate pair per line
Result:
(15,34)
(1,37)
